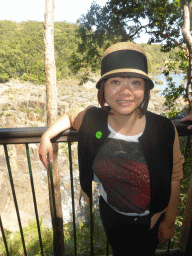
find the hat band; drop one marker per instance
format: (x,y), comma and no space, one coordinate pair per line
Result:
(124,59)
(125,70)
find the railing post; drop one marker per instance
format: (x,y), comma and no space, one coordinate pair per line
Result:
(72,194)
(91,205)
(34,198)
(14,197)
(56,213)
(107,252)
(185,240)
(187,145)
(4,238)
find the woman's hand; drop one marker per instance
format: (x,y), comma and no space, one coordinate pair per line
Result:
(166,231)
(46,150)
(188,118)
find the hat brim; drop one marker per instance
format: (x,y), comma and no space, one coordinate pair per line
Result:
(126,74)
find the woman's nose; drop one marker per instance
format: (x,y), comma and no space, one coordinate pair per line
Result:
(126,88)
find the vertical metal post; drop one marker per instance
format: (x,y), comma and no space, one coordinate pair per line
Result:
(34,198)
(168,247)
(73,201)
(91,221)
(188,250)
(187,146)
(54,208)
(107,253)
(15,199)
(4,238)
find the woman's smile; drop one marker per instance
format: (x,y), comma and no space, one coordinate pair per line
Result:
(124,103)
(124,95)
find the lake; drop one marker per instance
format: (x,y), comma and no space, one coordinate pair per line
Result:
(177,78)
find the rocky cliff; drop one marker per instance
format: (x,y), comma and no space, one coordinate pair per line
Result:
(24,105)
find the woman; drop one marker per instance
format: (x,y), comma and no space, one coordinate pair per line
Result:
(134,153)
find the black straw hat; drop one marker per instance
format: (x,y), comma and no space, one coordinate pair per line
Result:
(124,59)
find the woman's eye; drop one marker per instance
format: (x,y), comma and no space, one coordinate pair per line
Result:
(136,83)
(115,82)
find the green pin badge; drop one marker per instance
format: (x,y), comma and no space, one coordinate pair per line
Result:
(99,135)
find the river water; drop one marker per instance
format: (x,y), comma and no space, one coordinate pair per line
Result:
(177,78)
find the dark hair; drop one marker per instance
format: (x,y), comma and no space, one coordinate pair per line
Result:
(142,107)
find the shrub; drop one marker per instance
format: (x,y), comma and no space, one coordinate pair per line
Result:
(24,77)
(4,77)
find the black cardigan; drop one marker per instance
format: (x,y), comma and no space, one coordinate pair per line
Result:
(157,143)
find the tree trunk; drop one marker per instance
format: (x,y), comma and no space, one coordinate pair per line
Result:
(188,39)
(185,235)
(51,105)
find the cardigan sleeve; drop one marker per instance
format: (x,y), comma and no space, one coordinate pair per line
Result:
(76,116)
(178,159)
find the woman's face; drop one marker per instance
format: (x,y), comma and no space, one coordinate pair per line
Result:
(124,95)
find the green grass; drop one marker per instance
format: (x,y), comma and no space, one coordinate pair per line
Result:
(25,110)
(1,114)
(32,240)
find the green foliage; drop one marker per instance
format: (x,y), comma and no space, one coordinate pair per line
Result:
(65,45)
(172,93)
(82,233)
(24,77)
(78,48)
(83,236)
(158,59)
(31,241)
(4,77)
(117,22)
(172,112)
(22,50)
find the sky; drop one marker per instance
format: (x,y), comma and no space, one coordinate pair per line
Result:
(70,10)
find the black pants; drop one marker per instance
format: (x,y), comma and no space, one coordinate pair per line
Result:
(127,235)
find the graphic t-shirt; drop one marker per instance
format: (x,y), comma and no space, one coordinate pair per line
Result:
(122,171)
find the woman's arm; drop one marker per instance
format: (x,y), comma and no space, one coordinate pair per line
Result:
(167,226)
(46,149)
(171,211)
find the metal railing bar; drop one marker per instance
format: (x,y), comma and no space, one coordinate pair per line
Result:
(32,135)
(188,250)
(53,196)
(91,222)
(4,238)
(34,198)
(107,253)
(168,246)
(24,132)
(73,201)
(14,197)
(172,252)
(187,145)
